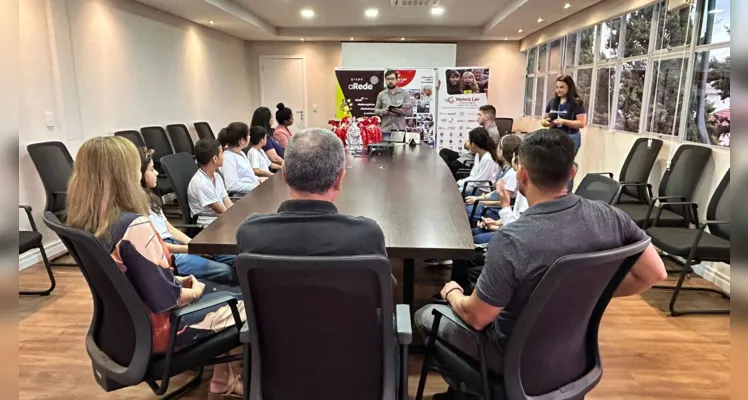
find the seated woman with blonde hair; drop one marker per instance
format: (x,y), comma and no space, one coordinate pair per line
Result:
(105,198)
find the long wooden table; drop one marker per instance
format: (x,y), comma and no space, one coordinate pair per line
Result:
(411,195)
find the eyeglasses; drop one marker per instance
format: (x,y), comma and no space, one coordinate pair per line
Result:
(390,79)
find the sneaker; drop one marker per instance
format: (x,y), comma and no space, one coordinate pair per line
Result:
(445,262)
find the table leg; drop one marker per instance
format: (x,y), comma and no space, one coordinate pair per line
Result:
(409,267)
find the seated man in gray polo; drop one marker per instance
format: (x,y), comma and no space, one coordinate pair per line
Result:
(555,225)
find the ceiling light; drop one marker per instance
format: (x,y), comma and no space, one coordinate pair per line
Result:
(307,13)
(211,22)
(520,30)
(402,39)
(436,11)
(351,38)
(371,12)
(506,38)
(540,20)
(302,39)
(715,11)
(567,5)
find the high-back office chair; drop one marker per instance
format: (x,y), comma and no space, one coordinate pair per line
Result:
(677,184)
(636,169)
(204,130)
(504,125)
(180,168)
(180,138)
(133,136)
(697,245)
(599,187)
(553,351)
(119,340)
(54,164)
(156,139)
(343,313)
(29,240)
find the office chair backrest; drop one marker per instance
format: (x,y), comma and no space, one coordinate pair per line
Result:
(504,125)
(204,130)
(599,187)
(180,138)
(686,169)
(118,341)
(638,165)
(55,167)
(320,327)
(180,168)
(719,208)
(155,139)
(553,349)
(133,136)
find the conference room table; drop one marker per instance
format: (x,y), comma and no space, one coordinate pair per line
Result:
(410,194)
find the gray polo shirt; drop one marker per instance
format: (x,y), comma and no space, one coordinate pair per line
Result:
(519,254)
(385,99)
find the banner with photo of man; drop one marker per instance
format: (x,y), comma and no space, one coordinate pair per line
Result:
(356,92)
(420,85)
(461,92)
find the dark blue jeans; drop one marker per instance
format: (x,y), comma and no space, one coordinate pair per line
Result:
(220,270)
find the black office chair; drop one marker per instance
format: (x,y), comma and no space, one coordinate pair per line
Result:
(55,167)
(553,351)
(204,130)
(697,245)
(504,125)
(156,139)
(599,187)
(319,359)
(29,240)
(133,136)
(180,168)
(677,185)
(119,340)
(180,138)
(636,170)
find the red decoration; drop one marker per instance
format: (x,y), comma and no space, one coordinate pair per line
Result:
(371,132)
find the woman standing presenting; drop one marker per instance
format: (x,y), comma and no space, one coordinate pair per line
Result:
(566,110)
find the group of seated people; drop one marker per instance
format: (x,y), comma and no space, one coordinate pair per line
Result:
(544,223)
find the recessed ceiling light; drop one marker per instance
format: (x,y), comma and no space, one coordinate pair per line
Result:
(540,20)
(307,13)
(351,38)
(302,39)
(506,38)
(520,30)
(715,11)
(211,22)
(436,11)
(567,5)
(371,12)
(402,39)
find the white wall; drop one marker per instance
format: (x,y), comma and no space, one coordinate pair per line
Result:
(107,65)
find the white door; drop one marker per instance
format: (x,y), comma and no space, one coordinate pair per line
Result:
(283,80)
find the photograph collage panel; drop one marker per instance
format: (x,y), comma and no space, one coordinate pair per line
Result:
(422,120)
(467,81)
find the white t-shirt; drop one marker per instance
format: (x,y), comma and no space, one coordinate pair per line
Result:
(202,192)
(158,219)
(238,172)
(510,181)
(258,159)
(484,169)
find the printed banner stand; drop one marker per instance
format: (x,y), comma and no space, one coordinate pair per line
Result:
(356,92)
(420,85)
(461,92)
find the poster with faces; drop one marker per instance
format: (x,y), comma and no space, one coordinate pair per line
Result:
(420,85)
(461,92)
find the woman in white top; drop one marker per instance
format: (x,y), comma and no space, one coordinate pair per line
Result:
(257,158)
(486,164)
(237,170)
(509,145)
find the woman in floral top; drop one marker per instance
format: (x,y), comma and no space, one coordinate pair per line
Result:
(105,199)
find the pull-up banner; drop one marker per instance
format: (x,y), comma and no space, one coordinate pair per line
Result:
(420,84)
(357,91)
(462,91)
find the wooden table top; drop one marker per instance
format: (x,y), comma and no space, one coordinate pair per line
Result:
(411,195)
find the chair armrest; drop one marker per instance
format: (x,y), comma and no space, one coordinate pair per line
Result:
(244,333)
(661,198)
(28,210)
(450,315)
(187,226)
(403,324)
(202,304)
(693,210)
(610,174)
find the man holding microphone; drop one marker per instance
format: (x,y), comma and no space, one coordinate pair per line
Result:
(393,105)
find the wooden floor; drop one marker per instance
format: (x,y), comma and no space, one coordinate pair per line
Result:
(646,354)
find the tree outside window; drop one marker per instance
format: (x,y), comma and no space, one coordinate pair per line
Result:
(587,46)
(630,96)
(604,96)
(666,98)
(638,28)
(709,108)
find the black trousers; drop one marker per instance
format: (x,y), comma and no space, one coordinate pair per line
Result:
(466,272)
(450,157)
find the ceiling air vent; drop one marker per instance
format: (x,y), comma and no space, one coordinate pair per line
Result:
(414,3)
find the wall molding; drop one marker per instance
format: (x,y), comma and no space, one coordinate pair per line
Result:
(29,258)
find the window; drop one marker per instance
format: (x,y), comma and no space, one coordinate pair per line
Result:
(676,27)
(529,91)
(604,96)
(543,58)
(609,37)
(638,29)
(630,96)
(715,23)
(531,61)
(709,108)
(584,84)
(571,50)
(550,89)
(587,46)
(666,99)
(539,92)
(555,56)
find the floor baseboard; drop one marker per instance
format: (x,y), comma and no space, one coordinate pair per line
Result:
(29,258)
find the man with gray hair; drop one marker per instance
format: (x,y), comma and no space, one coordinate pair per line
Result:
(308,224)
